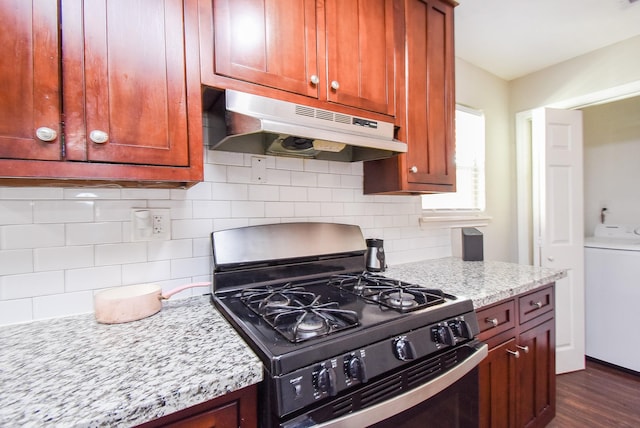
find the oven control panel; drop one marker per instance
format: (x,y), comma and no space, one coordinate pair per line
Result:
(330,377)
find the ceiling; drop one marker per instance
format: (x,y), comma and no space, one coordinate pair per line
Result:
(512,38)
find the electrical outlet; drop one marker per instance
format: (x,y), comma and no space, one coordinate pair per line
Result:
(150,224)
(258,169)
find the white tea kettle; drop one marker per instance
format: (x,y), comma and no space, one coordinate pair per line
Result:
(375,258)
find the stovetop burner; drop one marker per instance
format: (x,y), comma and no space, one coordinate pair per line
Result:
(297,314)
(388,293)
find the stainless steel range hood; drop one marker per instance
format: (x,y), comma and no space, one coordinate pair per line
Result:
(240,122)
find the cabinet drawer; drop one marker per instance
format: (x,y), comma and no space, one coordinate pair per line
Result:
(496,319)
(535,304)
(221,417)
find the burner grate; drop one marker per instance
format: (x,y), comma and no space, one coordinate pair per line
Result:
(297,314)
(388,293)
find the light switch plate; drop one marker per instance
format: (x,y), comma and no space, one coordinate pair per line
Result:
(150,224)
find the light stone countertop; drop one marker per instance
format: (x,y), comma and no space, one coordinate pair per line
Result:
(484,282)
(75,372)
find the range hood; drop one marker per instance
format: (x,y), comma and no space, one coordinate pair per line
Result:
(240,122)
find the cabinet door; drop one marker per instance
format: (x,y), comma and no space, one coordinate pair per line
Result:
(497,379)
(29,79)
(130,106)
(360,37)
(268,42)
(536,377)
(430,93)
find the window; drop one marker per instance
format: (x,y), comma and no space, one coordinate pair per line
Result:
(469,198)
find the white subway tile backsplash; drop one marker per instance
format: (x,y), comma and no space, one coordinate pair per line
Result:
(305,179)
(185,268)
(117,210)
(92,193)
(94,233)
(31,285)
(146,193)
(314,165)
(31,236)
(70,257)
(58,246)
(247,209)
(278,209)
(239,174)
(16,261)
(291,164)
(211,209)
(58,305)
(138,273)
(31,193)
(93,278)
(229,192)
(264,193)
(118,254)
(328,180)
(16,311)
(194,228)
(16,212)
(167,250)
(63,211)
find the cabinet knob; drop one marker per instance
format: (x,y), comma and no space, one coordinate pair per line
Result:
(314,79)
(492,321)
(515,354)
(46,134)
(536,304)
(335,85)
(413,169)
(524,349)
(98,137)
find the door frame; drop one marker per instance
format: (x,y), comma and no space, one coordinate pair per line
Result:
(523,157)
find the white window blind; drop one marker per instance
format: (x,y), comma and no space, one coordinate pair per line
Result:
(469,159)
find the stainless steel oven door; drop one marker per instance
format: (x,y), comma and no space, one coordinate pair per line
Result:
(425,403)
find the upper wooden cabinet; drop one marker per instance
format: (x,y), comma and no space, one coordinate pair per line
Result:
(426,107)
(119,83)
(341,52)
(29,80)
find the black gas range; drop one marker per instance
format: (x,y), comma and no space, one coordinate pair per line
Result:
(340,346)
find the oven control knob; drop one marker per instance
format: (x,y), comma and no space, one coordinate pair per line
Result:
(326,381)
(355,369)
(443,334)
(403,349)
(461,329)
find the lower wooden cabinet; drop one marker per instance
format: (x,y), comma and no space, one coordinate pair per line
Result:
(517,379)
(232,410)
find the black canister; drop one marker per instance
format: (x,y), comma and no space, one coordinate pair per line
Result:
(375,256)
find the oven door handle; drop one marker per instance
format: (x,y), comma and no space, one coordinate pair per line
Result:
(407,400)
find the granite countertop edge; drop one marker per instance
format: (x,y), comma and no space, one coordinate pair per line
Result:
(75,372)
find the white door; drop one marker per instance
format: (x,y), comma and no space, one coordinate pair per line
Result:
(557,184)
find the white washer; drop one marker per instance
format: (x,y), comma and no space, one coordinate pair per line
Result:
(612,290)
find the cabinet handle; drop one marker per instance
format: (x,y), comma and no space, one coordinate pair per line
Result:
(538,305)
(314,79)
(335,85)
(46,134)
(515,354)
(525,349)
(492,321)
(413,169)
(99,137)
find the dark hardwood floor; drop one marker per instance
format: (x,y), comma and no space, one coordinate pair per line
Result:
(599,396)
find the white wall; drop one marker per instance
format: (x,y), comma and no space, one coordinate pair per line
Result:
(602,69)
(484,91)
(612,163)
(57,246)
